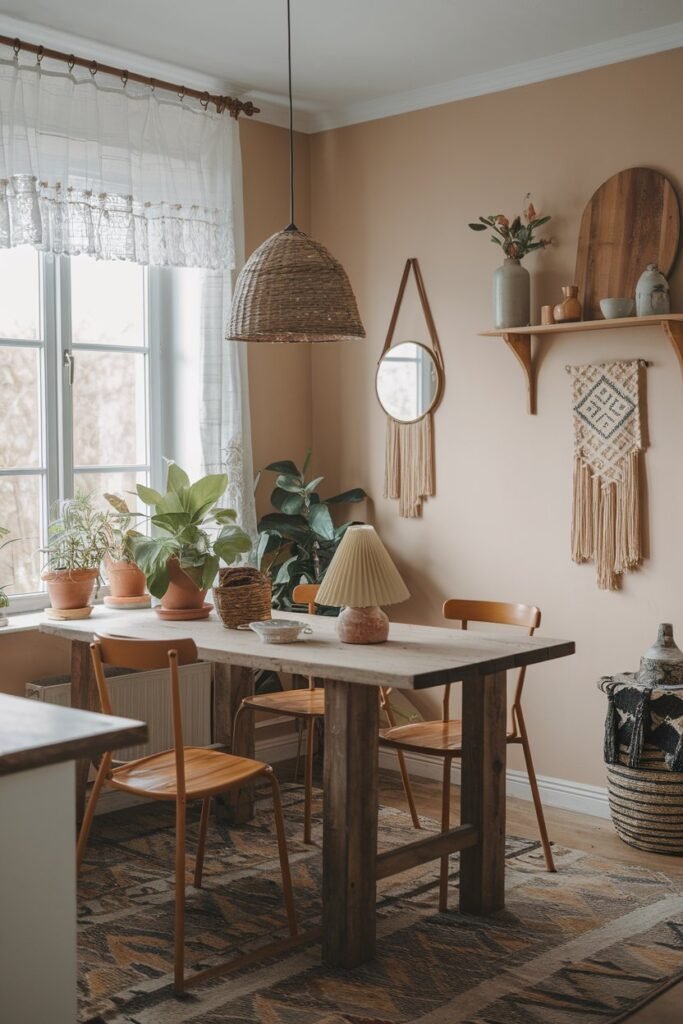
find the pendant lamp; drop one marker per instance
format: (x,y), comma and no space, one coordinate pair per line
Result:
(291,288)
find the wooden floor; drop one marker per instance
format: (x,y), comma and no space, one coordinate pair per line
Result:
(566,828)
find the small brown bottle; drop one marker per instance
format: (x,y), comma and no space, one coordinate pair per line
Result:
(569,310)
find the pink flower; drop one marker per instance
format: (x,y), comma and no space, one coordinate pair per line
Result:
(502,221)
(530,212)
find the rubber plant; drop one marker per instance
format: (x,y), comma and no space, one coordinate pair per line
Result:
(78,538)
(4,599)
(298,540)
(191,536)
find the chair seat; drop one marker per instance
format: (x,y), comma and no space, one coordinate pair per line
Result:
(425,737)
(302,703)
(206,772)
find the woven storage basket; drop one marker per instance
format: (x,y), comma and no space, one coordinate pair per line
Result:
(242,595)
(646,803)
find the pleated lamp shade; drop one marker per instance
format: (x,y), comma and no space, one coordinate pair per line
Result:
(292,289)
(362,574)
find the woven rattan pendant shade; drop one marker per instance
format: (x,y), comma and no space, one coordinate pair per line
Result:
(292,289)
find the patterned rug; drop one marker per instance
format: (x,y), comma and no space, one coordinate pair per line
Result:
(578,946)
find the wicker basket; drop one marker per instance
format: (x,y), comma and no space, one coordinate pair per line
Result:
(242,595)
(646,803)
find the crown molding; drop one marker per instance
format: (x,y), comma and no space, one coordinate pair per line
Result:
(613,51)
(114,55)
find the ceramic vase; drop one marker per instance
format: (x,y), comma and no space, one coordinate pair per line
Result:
(511,295)
(569,310)
(652,293)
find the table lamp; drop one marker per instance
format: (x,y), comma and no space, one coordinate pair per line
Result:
(361,577)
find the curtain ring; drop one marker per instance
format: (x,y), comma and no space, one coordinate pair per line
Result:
(93,68)
(205,100)
(124,78)
(181,93)
(39,55)
(16,46)
(71,62)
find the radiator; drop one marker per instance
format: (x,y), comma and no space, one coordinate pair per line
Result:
(146,696)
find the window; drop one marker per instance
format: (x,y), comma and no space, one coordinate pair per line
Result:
(75,411)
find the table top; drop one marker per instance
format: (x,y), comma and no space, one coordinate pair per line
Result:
(34,733)
(414,657)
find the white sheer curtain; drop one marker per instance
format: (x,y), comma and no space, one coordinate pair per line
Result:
(88,166)
(224,421)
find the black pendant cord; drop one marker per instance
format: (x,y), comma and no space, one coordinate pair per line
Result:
(292,225)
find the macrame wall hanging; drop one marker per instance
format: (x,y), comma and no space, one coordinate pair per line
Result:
(409,383)
(608,441)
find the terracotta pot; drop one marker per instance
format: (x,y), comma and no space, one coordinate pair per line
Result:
(70,588)
(182,592)
(125,578)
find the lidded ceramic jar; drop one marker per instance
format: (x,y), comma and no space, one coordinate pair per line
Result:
(652,292)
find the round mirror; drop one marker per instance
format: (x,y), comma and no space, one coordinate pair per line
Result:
(408,381)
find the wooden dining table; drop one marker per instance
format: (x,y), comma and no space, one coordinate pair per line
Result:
(414,658)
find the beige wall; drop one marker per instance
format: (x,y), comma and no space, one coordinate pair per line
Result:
(499,524)
(280,375)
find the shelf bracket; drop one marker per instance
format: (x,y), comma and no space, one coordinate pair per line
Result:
(674,332)
(520,344)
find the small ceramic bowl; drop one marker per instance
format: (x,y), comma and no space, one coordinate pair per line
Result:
(278,631)
(614,309)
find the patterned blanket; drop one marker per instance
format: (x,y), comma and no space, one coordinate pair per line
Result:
(637,715)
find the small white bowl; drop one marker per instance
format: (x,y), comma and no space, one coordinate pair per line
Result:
(616,309)
(278,631)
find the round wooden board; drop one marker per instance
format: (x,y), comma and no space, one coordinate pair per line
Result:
(69,613)
(633,219)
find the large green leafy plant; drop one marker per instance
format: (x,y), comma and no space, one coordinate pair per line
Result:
(298,540)
(189,526)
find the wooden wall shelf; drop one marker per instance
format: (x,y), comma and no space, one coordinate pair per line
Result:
(518,339)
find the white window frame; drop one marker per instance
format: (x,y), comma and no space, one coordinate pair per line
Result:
(57,468)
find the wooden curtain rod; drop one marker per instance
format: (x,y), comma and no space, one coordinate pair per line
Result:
(233,106)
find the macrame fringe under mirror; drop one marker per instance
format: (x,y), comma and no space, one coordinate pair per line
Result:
(409,384)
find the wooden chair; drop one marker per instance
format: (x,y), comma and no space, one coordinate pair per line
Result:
(309,704)
(180,775)
(444,738)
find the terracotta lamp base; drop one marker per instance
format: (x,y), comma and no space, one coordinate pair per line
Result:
(363,626)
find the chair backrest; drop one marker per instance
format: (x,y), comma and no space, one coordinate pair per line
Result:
(147,655)
(306,593)
(501,613)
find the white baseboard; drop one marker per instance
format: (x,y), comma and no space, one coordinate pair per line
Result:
(570,796)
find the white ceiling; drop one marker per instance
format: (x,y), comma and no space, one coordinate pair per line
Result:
(355,59)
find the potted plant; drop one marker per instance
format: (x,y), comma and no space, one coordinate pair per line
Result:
(4,599)
(78,539)
(192,536)
(511,282)
(298,540)
(126,580)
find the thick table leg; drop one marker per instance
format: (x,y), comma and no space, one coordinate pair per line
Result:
(84,695)
(231,684)
(482,867)
(350,823)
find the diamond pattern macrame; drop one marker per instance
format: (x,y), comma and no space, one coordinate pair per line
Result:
(606,415)
(608,439)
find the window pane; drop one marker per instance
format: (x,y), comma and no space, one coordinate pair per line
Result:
(19,293)
(20,511)
(99,484)
(107,302)
(19,407)
(109,409)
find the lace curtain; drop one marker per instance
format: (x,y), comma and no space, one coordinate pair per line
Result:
(88,166)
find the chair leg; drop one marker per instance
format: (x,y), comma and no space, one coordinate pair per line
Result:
(407,788)
(300,731)
(284,856)
(102,772)
(531,772)
(234,724)
(445,823)
(308,779)
(203,825)
(179,961)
